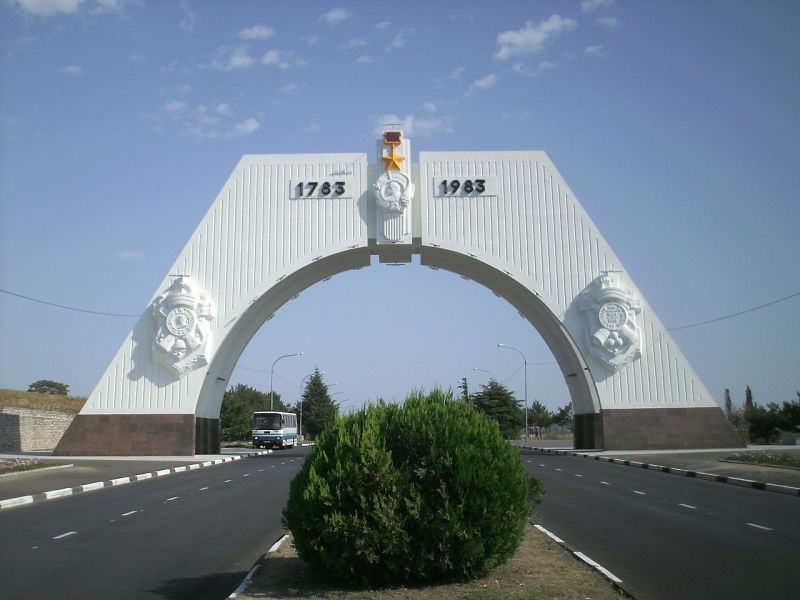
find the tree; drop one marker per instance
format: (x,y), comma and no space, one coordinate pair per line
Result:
(238,406)
(789,415)
(728,403)
(563,416)
(464,387)
(319,409)
(539,415)
(748,399)
(498,403)
(46,386)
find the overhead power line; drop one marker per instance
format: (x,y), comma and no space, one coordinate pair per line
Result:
(83,310)
(736,314)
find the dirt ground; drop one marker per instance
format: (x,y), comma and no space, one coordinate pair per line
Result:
(541,568)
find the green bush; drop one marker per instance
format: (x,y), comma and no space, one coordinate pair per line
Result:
(427,491)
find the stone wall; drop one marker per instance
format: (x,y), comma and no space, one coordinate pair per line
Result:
(24,430)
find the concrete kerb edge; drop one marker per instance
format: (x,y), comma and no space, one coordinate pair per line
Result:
(41,497)
(249,577)
(757,485)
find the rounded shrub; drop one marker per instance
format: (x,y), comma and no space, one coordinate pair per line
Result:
(427,491)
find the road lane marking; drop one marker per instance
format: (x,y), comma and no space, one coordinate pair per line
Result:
(605,483)
(92,486)
(63,535)
(576,475)
(688,506)
(757,526)
(227,481)
(599,567)
(143,476)
(552,536)
(638,492)
(121,481)
(272,467)
(129,513)
(203,489)
(171,499)
(179,469)
(246,475)
(163,472)
(541,465)
(58,493)
(559,470)
(260,470)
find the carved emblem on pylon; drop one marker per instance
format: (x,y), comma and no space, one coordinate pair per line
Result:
(183,317)
(610,309)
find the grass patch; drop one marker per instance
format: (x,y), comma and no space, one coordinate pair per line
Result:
(37,401)
(540,569)
(767,459)
(18,465)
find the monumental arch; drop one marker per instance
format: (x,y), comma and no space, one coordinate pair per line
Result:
(507,220)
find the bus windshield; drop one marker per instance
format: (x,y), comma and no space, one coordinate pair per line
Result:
(268,421)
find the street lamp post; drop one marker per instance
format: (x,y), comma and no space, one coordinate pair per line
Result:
(272,374)
(491,375)
(525,362)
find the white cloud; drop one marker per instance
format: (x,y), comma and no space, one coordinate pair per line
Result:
(256,32)
(170,67)
(595,51)
(224,109)
(400,38)
(289,89)
(311,40)
(246,127)
(335,16)
(457,72)
(174,106)
(484,83)
(46,8)
(430,106)
(283,59)
(137,58)
(413,125)
(589,6)
(71,70)
(364,59)
(608,21)
(129,254)
(355,43)
(532,37)
(109,6)
(383,25)
(201,115)
(187,20)
(227,58)
(540,68)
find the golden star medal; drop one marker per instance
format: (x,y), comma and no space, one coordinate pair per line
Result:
(394,160)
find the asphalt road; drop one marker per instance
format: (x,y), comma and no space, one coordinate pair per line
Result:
(670,537)
(193,535)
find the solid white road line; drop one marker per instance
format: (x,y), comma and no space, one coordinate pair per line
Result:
(63,535)
(599,567)
(552,536)
(757,526)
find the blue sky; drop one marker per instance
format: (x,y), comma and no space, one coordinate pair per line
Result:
(676,124)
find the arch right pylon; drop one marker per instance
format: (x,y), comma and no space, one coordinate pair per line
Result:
(509,221)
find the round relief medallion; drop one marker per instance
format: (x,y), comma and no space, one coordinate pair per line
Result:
(391,193)
(180,321)
(612,316)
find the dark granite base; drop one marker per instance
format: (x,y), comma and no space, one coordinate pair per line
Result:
(656,429)
(139,435)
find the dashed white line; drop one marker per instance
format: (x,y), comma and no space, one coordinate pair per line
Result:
(757,526)
(171,499)
(638,492)
(688,506)
(246,475)
(63,535)
(203,489)
(227,480)
(605,483)
(559,470)
(129,513)
(541,465)
(576,475)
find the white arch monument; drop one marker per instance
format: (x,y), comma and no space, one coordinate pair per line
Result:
(507,220)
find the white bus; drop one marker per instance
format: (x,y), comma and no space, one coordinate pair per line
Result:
(274,429)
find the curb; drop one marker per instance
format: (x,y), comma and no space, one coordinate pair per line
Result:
(249,578)
(97,485)
(749,483)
